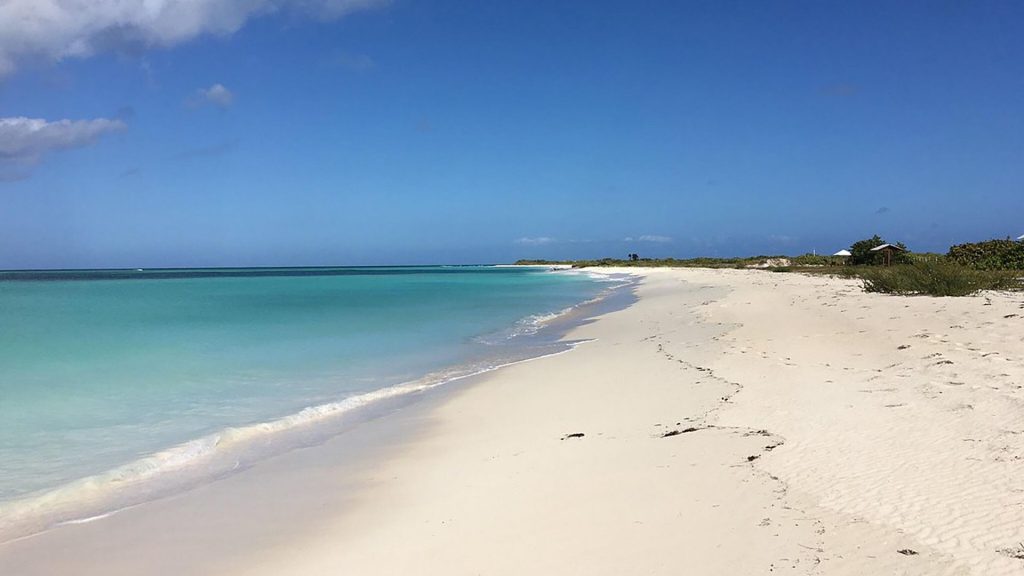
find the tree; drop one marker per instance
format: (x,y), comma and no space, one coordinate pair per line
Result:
(860,252)
(902,257)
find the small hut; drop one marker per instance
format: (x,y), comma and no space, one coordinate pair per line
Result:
(841,257)
(888,251)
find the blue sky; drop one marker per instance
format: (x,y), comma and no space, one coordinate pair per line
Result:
(288,132)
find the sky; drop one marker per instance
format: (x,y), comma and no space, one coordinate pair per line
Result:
(148,133)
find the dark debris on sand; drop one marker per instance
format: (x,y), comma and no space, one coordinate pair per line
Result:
(678,432)
(1017,553)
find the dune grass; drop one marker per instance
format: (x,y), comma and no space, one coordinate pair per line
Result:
(936,279)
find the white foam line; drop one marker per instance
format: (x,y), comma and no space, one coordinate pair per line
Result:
(186,455)
(71,522)
(89,519)
(195,451)
(533,323)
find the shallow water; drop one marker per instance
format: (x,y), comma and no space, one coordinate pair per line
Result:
(109,376)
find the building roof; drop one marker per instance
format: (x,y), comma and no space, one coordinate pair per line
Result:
(891,246)
(843,253)
(1021,237)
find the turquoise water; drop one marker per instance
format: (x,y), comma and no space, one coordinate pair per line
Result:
(102,369)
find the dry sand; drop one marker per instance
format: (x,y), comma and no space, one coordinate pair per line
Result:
(831,429)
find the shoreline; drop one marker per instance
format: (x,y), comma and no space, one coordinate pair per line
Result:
(185,466)
(733,422)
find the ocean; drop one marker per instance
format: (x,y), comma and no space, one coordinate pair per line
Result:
(117,386)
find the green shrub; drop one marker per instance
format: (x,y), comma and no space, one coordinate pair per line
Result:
(914,257)
(861,254)
(989,255)
(844,272)
(936,279)
(813,260)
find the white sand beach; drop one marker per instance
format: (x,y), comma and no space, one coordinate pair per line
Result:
(729,422)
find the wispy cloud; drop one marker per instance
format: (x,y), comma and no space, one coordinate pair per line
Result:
(882,210)
(48,30)
(534,241)
(649,238)
(216,95)
(24,142)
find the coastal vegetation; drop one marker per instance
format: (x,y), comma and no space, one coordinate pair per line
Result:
(702,262)
(937,278)
(964,270)
(863,252)
(989,255)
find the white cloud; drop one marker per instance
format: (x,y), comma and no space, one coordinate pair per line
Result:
(535,241)
(649,238)
(25,141)
(216,95)
(52,30)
